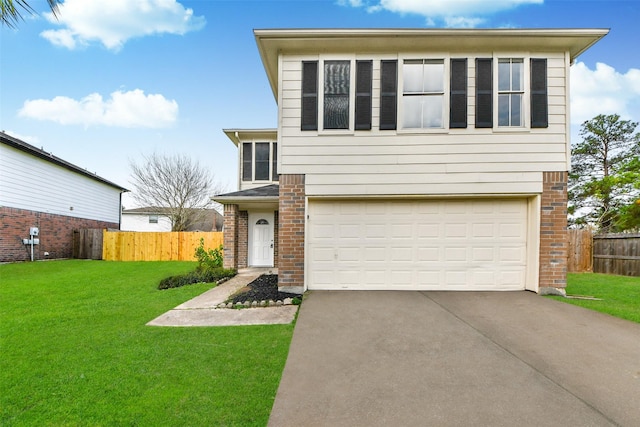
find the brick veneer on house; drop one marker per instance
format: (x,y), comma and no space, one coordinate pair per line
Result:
(56,233)
(291,224)
(243,239)
(553,233)
(230,236)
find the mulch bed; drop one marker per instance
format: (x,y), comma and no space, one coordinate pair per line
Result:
(264,288)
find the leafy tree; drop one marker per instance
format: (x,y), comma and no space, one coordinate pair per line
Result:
(179,187)
(10,10)
(604,184)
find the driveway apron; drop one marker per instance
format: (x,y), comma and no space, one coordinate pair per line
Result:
(380,358)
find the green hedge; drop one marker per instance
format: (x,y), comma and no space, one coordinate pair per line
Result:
(198,276)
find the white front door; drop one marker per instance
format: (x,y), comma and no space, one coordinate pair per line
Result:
(261,239)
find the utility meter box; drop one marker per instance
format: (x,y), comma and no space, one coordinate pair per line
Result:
(34,231)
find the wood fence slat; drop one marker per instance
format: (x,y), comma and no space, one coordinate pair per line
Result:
(580,251)
(155,246)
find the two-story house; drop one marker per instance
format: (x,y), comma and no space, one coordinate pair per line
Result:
(426,159)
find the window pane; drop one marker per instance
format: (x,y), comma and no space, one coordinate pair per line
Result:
(503,110)
(412,112)
(504,75)
(412,81)
(434,76)
(336,94)
(336,112)
(336,77)
(262,161)
(517,70)
(247,172)
(516,110)
(432,111)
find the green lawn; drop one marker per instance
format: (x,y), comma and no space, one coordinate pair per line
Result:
(620,295)
(74,350)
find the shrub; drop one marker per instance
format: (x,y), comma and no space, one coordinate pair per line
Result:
(208,259)
(206,275)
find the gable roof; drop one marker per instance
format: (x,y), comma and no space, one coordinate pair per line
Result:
(40,153)
(271,43)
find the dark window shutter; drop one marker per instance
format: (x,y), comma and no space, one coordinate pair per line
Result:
(458,95)
(247,161)
(388,94)
(539,100)
(484,93)
(309,95)
(364,71)
(274,162)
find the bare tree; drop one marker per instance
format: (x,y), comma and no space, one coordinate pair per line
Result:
(179,187)
(10,10)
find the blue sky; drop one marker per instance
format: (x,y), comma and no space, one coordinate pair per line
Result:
(113,80)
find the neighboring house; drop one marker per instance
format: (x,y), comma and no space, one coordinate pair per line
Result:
(429,159)
(156,219)
(38,189)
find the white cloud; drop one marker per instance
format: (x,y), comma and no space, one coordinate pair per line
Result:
(452,13)
(113,22)
(604,91)
(124,109)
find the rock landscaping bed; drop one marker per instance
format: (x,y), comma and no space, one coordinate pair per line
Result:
(262,292)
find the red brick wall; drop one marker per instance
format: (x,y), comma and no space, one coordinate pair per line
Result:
(291,225)
(554,238)
(230,236)
(243,239)
(56,234)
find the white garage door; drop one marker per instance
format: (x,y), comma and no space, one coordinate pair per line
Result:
(417,245)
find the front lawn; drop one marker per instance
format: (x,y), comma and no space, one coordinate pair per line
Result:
(620,295)
(75,351)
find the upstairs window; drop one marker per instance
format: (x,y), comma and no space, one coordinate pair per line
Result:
(259,161)
(510,92)
(337,76)
(344,104)
(423,93)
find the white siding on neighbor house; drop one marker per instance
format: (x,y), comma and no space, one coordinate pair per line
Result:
(31,183)
(140,222)
(442,161)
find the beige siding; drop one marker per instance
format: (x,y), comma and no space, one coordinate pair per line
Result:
(457,161)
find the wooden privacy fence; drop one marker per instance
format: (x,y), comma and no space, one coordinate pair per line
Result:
(617,254)
(580,251)
(87,243)
(156,246)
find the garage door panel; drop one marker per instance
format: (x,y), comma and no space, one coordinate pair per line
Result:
(433,244)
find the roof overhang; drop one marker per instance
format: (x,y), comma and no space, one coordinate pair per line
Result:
(238,135)
(273,42)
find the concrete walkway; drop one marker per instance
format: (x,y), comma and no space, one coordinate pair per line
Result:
(202,311)
(457,359)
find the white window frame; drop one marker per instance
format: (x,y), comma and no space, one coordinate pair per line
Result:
(445,95)
(526,91)
(253,160)
(352,93)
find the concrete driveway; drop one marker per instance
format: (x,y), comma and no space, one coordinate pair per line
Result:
(457,358)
